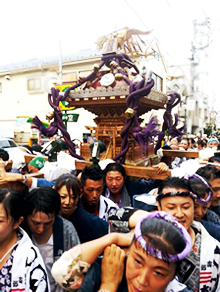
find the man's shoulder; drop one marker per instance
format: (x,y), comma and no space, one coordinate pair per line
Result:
(66,223)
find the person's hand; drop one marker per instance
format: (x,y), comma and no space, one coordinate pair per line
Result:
(161,167)
(112,268)
(10,177)
(123,239)
(79,176)
(2,168)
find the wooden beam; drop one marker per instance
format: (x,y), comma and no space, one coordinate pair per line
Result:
(28,158)
(180,153)
(136,171)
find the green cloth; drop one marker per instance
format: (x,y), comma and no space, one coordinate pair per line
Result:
(37,162)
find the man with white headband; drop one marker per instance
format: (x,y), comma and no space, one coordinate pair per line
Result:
(158,244)
(200,270)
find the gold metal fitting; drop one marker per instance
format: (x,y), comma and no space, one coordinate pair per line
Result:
(50,116)
(81,78)
(118,76)
(129,113)
(113,64)
(95,67)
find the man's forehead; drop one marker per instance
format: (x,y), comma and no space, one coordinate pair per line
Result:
(113,173)
(41,216)
(215,181)
(173,189)
(90,182)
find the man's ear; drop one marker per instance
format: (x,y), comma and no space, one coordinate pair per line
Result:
(18,222)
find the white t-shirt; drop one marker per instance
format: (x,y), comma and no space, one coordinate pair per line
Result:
(105,207)
(46,251)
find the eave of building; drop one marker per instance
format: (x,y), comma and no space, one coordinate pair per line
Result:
(46,63)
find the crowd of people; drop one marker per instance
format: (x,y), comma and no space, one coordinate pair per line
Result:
(96,230)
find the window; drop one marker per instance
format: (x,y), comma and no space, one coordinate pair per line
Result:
(0,87)
(69,77)
(85,73)
(158,82)
(34,84)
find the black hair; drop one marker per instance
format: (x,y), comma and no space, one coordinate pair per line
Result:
(198,187)
(200,142)
(13,203)
(208,172)
(163,236)
(115,167)
(43,199)
(4,155)
(93,172)
(166,147)
(191,140)
(173,182)
(71,182)
(215,158)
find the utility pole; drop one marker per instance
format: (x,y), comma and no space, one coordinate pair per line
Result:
(199,46)
(200,43)
(60,64)
(60,82)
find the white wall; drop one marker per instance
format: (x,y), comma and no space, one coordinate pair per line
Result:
(16,100)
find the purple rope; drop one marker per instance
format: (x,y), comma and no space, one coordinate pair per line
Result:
(54,98)
(168,123)
(136,92)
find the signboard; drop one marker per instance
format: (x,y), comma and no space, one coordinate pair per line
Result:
(63,107)
(70,117)
(62,104)
(213,115)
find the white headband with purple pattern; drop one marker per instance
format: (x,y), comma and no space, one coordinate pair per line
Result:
(155,252)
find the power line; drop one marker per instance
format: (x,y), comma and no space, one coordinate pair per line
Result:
(155,36)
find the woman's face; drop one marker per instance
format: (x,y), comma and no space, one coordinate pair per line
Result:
(68,202)
(114,181)
(7,225)
(144,273)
